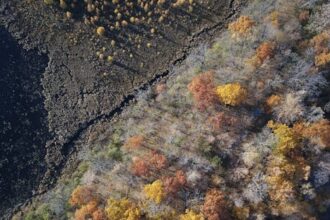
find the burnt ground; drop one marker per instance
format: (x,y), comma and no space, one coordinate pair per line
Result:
(54,88)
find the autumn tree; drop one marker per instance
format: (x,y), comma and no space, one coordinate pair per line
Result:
(82,195)
(263,52)
(148,164)
(155,191)
(288,138)
(157,161)
(87,202)
(322,59)
(231,94)
(134,142)
(191,215)
(320,42)
(140,167)
(272,101)
(122,209)
(214,207)
(203,90)
(318,132)
(241,26)
(222,120)
(173,184)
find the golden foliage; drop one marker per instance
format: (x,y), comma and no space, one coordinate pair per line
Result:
(273,100)
(155,191)
(191,215)
(203,90)
(274,18)
(241,213)
(241,26)
(231,94)
(164,215)
(288,139)
(122,209)
(320,42)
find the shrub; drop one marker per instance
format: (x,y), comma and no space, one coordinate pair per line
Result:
(231,94)
(203,90)
(155,191)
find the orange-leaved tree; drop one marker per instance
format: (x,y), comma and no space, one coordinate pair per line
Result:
(215,207)
(203,90)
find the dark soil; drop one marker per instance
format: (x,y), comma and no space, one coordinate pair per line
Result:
(79,90)
(24,127)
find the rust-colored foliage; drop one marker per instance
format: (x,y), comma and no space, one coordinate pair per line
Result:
(157,161)
(150,163)
(241,26)
(99,215)
(203,90)
(317,132)
(174,183)
(85,199)
(181,177)
(263,52)
(222,121)
(303,16)
(134,142)
(214,207)
(140,167)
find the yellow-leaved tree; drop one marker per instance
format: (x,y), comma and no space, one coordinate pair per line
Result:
(155,191)
(191,215)
(231,94)
(122,209)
